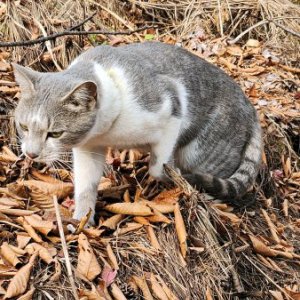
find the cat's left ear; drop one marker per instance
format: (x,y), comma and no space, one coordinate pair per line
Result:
(25,77)
(83,97)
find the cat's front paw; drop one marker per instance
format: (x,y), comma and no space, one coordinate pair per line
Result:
(82,212)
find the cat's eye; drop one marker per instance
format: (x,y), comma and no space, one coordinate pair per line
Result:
(55,134)
(23,127)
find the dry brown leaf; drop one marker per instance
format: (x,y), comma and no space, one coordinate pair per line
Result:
(143,286)
(234,50)
(18,251)
(130,226)
(141,220)
(233,218)
(28,295)
(39,224)
(113,221)
(112,257)
(252,43)
(9,202)
(158,218)
(134,209)
(93,232)
(208,294)
(88,265)
(45,177)
(126,196)
(43,252)
(166,289)
(19,282)
(84,220)
(30,230)
(260,247)
(168,196)
(271,225)
(94,294)
(181,231)
(9,255)
(61,189)
(7,155)
(252,71)
(276,295)
(117,293)
(294,295)
(152,237)
(7,270)
(16,212)
(23,239)
(157,289)
(163,207)
(57,272)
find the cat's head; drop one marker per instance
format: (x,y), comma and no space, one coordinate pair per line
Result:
(55,113)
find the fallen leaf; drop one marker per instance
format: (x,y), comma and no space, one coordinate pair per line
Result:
(23,239)
(113,221)
(261,248)
(157,289)
(130,226)
(57,272)
(117,293)
(9,255)
(108,275)
(39,224)
(28,295)
(19,282)
(143,286)
(43,253)
(112,257)
(88,265)
(181,231)
(134,209)
(152,237)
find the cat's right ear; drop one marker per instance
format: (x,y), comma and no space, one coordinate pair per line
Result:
(25,78)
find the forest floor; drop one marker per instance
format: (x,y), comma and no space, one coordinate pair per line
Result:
(154,241)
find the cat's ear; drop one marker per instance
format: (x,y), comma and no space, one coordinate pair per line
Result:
(25,77)
(83,97)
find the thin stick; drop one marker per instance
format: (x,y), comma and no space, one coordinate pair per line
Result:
(83,21)
(65,249)
(269,278)
(248,30)
(286,29)
(69,32)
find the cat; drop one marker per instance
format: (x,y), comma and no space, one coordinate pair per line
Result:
(186,111)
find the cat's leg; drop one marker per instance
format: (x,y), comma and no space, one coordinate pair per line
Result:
(88,169)
(162,151)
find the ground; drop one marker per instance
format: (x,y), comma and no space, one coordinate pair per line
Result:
(154,241)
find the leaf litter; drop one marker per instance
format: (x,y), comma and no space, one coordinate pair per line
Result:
(154,241)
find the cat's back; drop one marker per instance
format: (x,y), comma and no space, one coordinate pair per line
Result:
(159,57)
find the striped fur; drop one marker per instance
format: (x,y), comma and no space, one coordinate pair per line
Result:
(241,180)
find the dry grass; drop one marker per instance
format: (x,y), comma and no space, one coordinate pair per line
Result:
(222,259)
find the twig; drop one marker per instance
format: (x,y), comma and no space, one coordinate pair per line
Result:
(247,30)
(263,22)
(286,29)
(69,32)
(179,180)
(65,249)
(48,44)
(268,277)
(83,21)
(117,17)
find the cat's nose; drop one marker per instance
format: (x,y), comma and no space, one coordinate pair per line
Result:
(31,155)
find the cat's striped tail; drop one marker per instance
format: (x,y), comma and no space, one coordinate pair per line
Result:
(241,180)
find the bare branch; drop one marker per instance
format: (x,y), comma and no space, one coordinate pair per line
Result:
(70,32)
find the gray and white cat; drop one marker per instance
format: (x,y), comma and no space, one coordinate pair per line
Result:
(185,110)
